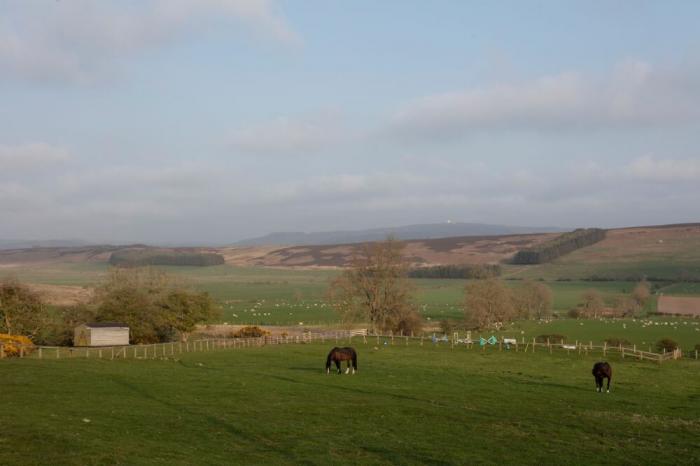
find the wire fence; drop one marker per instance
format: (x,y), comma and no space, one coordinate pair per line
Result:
(172,349)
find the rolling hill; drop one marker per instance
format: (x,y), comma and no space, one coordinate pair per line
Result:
(668,252)
(408,232)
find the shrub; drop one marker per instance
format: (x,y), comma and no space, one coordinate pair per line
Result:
(615,341)
(251,331)
(552,338)
(447,326)
(697,347)
(574,313)
(13,343)
(409,323)
(666,344)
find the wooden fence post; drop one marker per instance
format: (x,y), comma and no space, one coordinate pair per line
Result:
(40,355)
(58,352)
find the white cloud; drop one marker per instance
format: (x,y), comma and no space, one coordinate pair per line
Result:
(665,170)
(633,94)
(79,40)
(30,157)
(300,135)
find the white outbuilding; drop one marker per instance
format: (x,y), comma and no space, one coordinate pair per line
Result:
(101,334)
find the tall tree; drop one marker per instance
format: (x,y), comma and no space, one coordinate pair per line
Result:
(22,311)
(488,304)
(593,303)
(533,300)
(641,295)
(375,288)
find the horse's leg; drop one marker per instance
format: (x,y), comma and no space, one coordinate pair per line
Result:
(608,384)
(598,384)
(337,365)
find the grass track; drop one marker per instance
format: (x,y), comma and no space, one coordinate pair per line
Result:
(408,405)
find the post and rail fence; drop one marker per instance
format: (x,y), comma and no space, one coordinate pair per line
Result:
(172,349)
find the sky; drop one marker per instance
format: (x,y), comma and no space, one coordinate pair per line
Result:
(210,121)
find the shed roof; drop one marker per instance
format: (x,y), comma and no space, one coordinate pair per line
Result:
(107,324)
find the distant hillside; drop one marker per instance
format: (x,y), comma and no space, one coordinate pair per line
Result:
(51,243)
(667,252)
(438,251)
(409,232)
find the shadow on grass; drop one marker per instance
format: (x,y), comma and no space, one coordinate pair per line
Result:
(263,445)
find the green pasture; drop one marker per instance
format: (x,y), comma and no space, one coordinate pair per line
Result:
(407,405)
(641,332)
(258,295)
(575,266)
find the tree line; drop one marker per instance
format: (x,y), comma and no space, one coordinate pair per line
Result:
(376,289)
(156,307)
(468,271)
(145,257)
(563,244)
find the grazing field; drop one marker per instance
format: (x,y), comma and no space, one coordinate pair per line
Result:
(288,296)
(407,405)
(641,332)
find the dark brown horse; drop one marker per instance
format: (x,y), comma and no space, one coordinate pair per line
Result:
(602,370)
(337,355)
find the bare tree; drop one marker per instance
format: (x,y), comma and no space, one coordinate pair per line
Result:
(375,288)
(593,303)
(533,300)
(641,295)
(488,304)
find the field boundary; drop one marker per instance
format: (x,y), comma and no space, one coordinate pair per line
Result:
(171,349)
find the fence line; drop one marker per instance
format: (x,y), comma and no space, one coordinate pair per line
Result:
(168,350)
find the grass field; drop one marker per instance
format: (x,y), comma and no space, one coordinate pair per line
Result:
(407,405)
(289,296)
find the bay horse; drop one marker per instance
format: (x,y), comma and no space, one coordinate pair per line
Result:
(337,355)
(602,370)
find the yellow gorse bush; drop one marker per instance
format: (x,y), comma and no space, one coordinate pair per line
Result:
(13,343)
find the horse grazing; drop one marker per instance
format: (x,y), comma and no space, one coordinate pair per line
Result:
(337,355)
(602,370)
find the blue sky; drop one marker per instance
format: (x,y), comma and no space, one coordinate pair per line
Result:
(207,121)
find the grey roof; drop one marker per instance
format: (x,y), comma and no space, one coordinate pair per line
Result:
(106,324)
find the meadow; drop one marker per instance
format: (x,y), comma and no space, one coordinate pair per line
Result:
(407,405)
(276,296)
(293,297)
